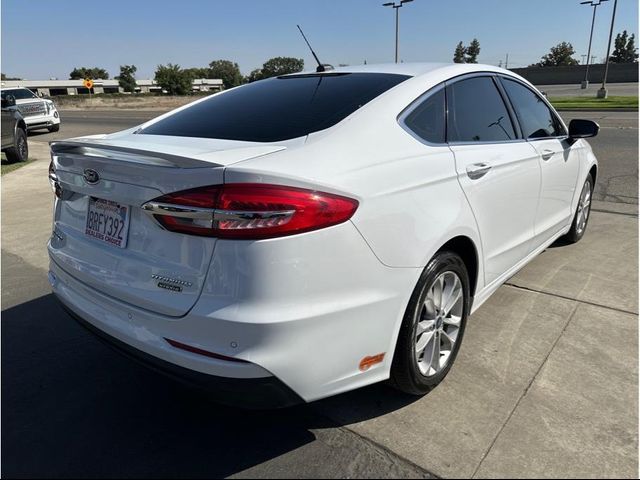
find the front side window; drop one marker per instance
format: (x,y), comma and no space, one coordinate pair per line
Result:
(277,109)
(477,112)
(535,117)
(19,94)
(427,120)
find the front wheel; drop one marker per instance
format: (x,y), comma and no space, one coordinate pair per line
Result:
(433,326)
(54,128)
(581,218)
(20,150)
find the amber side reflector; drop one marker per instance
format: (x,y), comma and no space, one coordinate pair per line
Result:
(368,362)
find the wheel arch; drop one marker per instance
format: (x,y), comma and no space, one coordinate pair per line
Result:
(21,124)
(466,249)
(594,174)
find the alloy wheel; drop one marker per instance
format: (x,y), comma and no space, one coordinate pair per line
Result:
(584,207)
(439,323)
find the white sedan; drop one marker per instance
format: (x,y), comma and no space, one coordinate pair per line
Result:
(305,235)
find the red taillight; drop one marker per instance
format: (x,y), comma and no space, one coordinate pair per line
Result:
(250,211)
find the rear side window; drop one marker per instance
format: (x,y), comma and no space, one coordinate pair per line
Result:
(427,120)
(535,117)
(477,112)
(279,108)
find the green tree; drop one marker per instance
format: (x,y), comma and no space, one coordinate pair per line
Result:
(277,66)
(254,76)
(197,72)
(558,56)
(472,51)
(625,49)
(4,77)
(458,55)
(93,73)
(127,79)
(226,71)
(173,79)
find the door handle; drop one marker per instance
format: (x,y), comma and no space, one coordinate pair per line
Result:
(547,154)
(477,170)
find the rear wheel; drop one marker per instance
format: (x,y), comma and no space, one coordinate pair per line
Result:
(581,218)
(433,326)
(20,150)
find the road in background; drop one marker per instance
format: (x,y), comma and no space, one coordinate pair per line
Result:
(616,147)
(614,89)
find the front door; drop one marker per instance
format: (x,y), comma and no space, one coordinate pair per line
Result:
(559,162)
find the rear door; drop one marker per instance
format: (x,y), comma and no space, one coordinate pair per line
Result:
(559,160)
(103,237)
(498,171)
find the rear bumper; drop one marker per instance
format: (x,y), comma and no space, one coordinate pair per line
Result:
(251,393)
(303,311)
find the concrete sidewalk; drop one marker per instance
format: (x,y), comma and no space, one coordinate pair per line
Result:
(546,383)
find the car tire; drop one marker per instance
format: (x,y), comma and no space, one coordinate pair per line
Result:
(54,128)
(430,328)
(20,150)
(581,217)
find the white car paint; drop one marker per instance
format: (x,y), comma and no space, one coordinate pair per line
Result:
(305,308)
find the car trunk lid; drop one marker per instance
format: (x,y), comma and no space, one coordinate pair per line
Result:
(157,270)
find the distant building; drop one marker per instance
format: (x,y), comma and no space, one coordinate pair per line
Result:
(52,88)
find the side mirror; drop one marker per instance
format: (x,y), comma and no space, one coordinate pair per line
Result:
(583,129)
(8,101)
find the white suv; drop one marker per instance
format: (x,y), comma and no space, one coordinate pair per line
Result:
(38,113)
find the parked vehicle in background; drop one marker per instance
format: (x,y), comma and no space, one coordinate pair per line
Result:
(305,235)
(38,113)
(14,131)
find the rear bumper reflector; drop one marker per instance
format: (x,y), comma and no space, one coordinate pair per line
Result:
(199,351)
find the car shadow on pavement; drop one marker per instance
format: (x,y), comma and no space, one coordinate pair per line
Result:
(72,407)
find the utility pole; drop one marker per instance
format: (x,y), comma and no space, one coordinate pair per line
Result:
(506,63)
(602,93)
(594,4)
(396,7)
(583,58)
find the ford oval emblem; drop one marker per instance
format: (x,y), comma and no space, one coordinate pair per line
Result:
(91,176)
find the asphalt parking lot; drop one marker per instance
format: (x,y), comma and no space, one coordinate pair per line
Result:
(546,383)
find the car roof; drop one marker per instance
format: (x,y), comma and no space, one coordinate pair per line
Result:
(414,69)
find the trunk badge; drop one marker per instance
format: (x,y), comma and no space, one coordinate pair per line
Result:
(173,284)
(91,176)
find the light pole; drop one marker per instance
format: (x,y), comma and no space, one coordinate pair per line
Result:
(602,93)
(396,7)
(594,4)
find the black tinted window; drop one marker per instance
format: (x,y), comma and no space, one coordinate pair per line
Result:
(18,94)
(427,120)
(277,109)
(477,112)
(535,117)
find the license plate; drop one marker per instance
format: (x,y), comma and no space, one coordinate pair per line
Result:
(108,222)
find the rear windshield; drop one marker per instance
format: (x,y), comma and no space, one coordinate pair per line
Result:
(278,108)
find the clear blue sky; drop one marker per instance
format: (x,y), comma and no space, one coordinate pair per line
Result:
(44,38)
